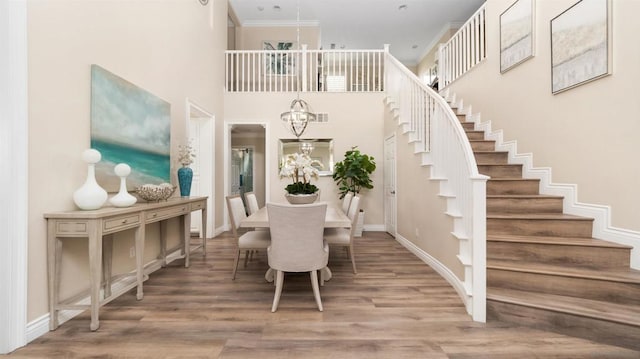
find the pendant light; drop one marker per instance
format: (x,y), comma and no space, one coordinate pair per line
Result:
(299,114)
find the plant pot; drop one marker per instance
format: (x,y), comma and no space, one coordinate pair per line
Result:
(359,225)
(301,198)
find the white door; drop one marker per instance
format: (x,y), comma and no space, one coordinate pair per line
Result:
(200,133)
(390,184)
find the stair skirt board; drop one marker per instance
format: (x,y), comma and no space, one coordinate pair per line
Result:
(598,330)
(602,228)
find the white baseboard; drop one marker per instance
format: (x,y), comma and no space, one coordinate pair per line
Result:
(374,227)
(445,272)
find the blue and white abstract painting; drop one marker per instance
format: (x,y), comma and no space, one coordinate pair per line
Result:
(129,125)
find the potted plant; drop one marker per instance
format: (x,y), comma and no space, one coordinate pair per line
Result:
(301,168)
(352,175)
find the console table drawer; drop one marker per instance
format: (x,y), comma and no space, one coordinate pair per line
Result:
(166,212)
(120,222)
(198,205)
(76,228)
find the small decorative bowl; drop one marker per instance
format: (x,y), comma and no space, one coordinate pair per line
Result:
(155,193)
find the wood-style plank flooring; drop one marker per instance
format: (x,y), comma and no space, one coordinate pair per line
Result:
(395,307)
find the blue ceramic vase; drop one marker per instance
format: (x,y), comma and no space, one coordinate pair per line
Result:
(185,174)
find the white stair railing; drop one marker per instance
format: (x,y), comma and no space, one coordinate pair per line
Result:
(436,130)
(304,70)
(466,48)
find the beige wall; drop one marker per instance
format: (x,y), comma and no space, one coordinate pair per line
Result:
(151,44)
(429,59)
(354,120)
(421,215)
(588,135)
(251,37)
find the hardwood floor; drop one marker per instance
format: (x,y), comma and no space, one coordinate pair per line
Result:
(395,307)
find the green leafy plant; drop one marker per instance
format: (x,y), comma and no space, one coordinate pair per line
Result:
(354,172)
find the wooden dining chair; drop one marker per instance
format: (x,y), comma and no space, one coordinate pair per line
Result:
(252,202)
(297,244)
(248,241)
(343,237)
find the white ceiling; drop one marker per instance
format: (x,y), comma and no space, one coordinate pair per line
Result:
(365,24)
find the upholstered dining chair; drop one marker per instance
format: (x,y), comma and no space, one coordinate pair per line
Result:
(346,202)
(297,244)
(252,202)
(343,237)
(248,241)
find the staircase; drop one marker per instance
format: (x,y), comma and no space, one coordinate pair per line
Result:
(543,268)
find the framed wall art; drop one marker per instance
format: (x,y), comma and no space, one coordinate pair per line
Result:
(516,34)
(580,44)
(129,125)
(277,61)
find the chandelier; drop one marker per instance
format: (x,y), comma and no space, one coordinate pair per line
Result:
(299,114)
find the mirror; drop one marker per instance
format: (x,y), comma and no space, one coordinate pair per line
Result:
(321,149)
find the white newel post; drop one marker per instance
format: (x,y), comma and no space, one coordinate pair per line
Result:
(14,183)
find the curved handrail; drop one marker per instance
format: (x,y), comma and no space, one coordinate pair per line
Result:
(460,134)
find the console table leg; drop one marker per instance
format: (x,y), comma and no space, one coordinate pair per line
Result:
(204,231)
(186,235)
(139,235)
(54,254)
(95,269)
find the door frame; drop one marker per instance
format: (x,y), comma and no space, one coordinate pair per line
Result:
(208,158)
(228,126)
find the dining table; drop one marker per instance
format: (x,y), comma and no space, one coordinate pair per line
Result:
(334,218)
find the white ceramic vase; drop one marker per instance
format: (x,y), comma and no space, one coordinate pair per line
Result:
(90,195)
(123,198)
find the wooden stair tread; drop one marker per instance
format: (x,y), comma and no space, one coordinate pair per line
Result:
(618,313)
(483,152)
(626,314)
(499,164)
(626,275)
(567,241)
(523,196)
(513,179)
(556,216)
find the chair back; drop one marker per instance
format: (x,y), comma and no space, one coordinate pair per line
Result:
(297,243)
(346,202)
(236,212)
(252,202)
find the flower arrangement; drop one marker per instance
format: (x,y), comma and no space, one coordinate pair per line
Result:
(301,168)
(185,154)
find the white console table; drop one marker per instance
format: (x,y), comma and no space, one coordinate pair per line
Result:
(98,227)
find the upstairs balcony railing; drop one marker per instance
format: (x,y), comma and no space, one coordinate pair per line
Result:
(466,48)
(305,70)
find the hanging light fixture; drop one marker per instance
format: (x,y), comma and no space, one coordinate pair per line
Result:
(299,114)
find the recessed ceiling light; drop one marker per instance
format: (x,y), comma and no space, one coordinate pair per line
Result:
(402,7)
(276,8)
(260,8)
(414,46)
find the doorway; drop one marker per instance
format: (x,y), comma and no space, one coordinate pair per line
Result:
(242,169)
(246,161)
(200,130)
